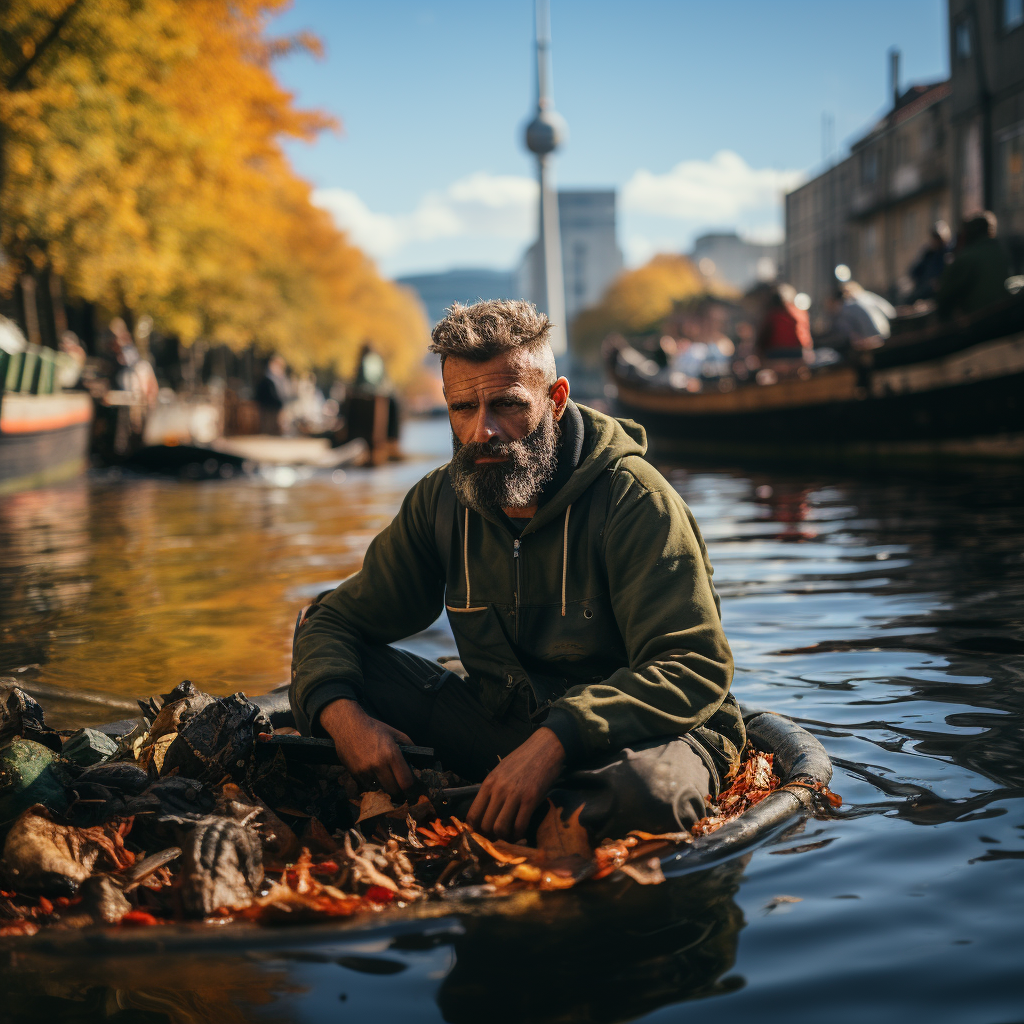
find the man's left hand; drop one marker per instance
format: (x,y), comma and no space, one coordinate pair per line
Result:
(511,792)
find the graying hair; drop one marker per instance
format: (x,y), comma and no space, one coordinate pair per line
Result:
(485,329)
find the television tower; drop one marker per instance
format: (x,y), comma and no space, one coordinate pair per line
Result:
(544,134)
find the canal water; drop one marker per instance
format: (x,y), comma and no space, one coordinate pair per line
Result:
(886,616)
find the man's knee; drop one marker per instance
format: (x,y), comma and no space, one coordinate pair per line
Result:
(658,786)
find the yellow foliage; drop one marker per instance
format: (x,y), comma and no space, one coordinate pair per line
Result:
(638,300)
(141,159)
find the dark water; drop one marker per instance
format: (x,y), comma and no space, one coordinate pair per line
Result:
(885,616)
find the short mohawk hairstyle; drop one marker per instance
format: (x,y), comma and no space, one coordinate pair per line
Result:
(483,330)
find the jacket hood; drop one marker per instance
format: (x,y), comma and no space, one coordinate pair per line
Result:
(605,441)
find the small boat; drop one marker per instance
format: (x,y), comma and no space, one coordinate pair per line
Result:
(800,762)
(44,432)
(932,395)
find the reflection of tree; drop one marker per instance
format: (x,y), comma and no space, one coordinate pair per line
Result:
(600,954)
(43,551)
(171,989)
(131,587)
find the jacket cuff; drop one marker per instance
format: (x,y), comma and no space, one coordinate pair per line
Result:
(322,695)
(564,725)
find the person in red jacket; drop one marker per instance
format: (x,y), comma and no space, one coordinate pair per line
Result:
(786,329)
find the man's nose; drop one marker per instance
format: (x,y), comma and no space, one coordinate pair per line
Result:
(484,428)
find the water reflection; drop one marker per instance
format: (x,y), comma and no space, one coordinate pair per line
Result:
(885,615)
(652,947)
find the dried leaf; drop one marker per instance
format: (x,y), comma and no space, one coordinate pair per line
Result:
(501,856)
(317,838)
(645,871)
(668,837)
(778,901)
(374,803)
(558,838)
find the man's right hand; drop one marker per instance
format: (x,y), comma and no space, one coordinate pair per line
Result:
(368,748)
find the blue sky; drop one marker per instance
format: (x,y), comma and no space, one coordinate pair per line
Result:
(700,114)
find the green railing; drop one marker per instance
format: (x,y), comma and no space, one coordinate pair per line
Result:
(36,371)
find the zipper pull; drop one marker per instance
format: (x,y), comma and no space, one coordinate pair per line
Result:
(515,548)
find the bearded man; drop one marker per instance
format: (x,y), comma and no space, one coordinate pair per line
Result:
(592,663)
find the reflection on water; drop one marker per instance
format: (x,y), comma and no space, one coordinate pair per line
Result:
(886,616)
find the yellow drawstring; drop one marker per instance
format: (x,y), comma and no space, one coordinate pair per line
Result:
(465,553)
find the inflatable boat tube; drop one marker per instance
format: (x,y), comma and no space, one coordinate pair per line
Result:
(799,759)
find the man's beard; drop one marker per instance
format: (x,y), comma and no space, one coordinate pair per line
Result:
(516,483)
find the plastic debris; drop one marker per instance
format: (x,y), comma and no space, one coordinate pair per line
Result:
(88,747)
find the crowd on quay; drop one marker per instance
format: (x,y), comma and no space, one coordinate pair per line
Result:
(768,335)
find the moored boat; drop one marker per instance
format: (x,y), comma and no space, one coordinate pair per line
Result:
(934,394)
(43,438)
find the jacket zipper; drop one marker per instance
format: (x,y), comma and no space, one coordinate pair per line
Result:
(515,559)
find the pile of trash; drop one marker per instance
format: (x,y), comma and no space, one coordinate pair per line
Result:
(197,811)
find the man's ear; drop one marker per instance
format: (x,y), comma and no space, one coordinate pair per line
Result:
(559,395)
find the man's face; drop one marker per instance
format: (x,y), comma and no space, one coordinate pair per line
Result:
(503,417)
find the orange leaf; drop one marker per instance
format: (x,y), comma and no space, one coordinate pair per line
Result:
(668,837)
(374,803)
(501,856)
(558,838)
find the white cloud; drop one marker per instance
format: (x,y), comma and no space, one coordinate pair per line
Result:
(488,219)
(716,191)
(481,205)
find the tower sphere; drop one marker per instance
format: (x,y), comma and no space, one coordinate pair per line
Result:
(546,132)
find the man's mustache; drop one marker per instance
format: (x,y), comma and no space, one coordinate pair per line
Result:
(472,450)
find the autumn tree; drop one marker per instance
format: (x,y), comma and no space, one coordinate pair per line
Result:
(141,159)
(637,301)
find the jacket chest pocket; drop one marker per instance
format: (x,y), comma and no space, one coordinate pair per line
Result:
(587,635)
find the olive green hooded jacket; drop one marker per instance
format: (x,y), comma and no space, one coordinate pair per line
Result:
(602,609)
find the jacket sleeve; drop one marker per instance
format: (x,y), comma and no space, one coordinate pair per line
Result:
(399,591)
(680,664)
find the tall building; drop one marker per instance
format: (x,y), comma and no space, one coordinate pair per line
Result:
(874,210)
(438,291)
(726,258)
(986,41)
(591,258)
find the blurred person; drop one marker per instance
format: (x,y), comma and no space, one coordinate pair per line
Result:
(880,310)
(273,392)
(593,665)
(977,276)
(785,330)
(71,369)
(132,373)
(928,268)
(307,408)
(853,329)
(371,372)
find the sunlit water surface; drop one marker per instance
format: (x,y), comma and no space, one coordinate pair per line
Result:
(885,616)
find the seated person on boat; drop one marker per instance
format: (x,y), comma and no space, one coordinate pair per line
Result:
(592,662)
(855,327)
(977,276)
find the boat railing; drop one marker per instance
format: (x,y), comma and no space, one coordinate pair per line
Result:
(35,370)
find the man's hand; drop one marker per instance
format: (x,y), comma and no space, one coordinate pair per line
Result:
(511,792)
(368,748)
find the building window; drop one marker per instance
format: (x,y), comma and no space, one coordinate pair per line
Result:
(1013,171)
(868,168)
(962,40)
(870,241)
(1013,14)
(910,227)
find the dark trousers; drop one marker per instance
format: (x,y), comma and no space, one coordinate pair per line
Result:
(660,785)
